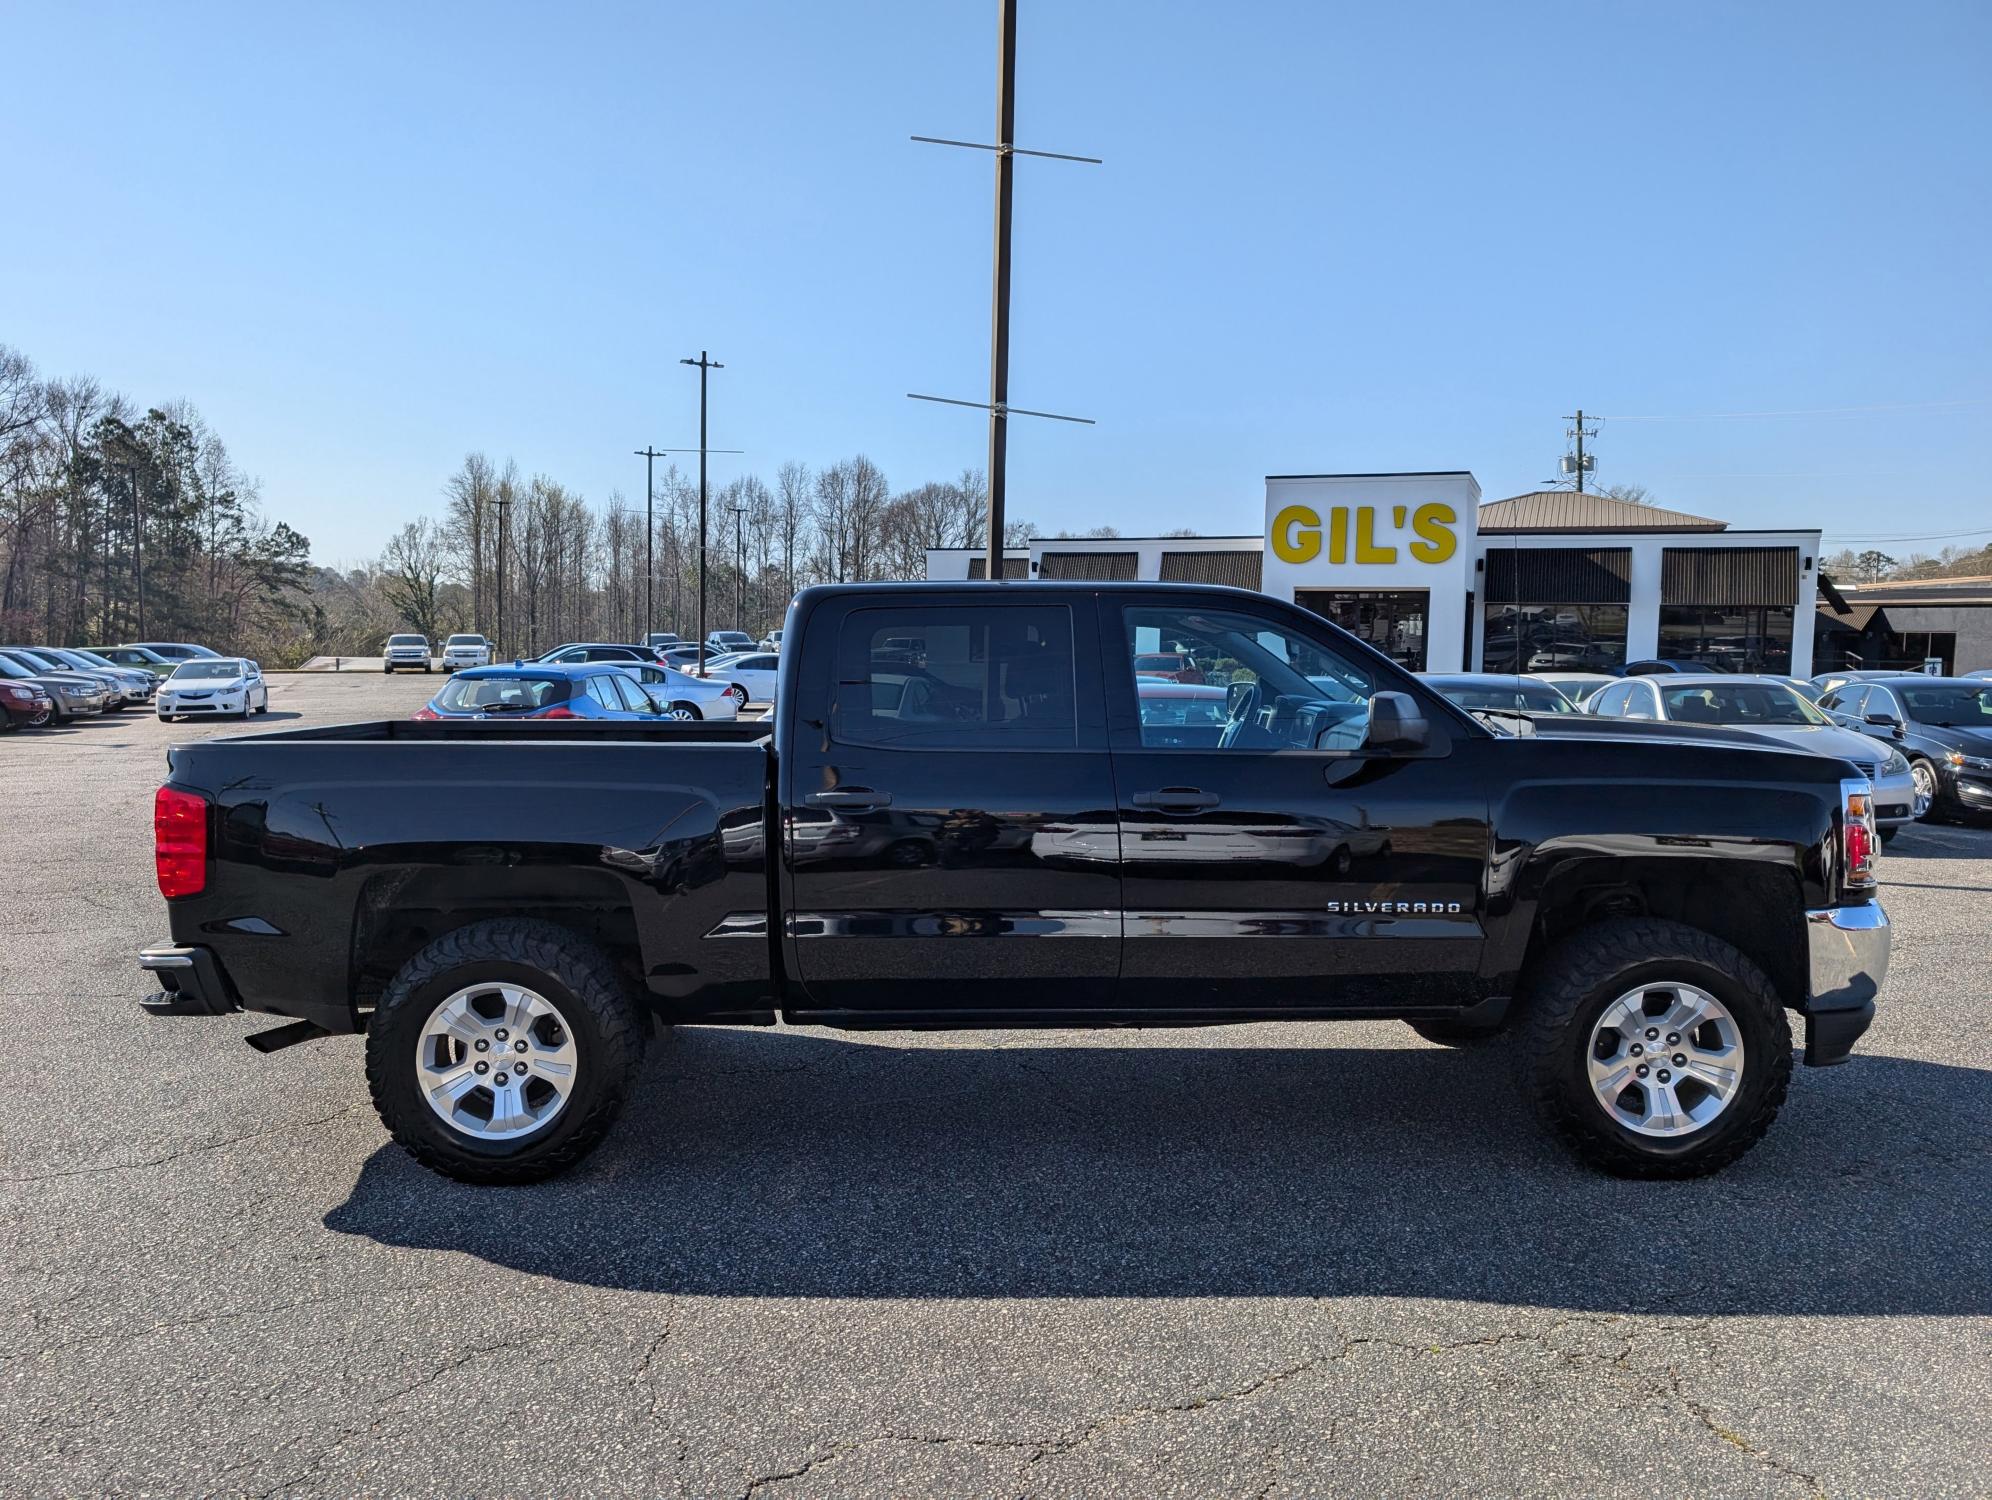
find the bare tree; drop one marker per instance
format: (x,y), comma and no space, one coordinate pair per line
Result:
(411,575)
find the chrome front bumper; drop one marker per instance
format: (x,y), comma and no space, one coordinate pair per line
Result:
(1847,947)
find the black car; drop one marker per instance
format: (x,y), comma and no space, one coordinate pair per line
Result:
(1943,724)
(1500,690)
(1654,666)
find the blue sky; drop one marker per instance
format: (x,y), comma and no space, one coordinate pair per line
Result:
(365,239)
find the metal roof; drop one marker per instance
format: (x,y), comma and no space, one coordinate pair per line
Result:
(1567,510)
(1923,591)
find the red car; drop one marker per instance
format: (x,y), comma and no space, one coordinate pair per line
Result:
(23,701)
(1170,664)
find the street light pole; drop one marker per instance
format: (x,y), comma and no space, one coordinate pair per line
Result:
(706,364)
(739,567)
(137,544)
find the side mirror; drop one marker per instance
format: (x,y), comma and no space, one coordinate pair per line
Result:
(1396,722)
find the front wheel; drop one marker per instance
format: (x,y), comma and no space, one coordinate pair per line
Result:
(502,1052)
(1924,775)
(1653,1049)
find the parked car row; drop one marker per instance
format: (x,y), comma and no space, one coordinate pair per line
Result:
(1924,743)
(44,685)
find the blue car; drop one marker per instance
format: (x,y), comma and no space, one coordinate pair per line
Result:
(542,690)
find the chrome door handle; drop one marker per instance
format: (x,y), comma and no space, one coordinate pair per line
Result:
(856,796)
(1177,799)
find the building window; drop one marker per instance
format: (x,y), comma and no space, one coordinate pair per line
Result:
(1393,621)
(1734,638)
(1554,638)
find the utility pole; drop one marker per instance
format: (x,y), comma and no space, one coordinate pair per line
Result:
(739,567)
(502,505)
(706,365)
(1579,431)
(649,457)
(998,404)
(999,293)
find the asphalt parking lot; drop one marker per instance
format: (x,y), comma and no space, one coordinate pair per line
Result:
(1254,1261)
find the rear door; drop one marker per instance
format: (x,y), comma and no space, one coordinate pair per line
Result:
(1275,864)
(949,828)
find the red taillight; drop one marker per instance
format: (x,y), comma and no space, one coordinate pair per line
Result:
(558,711)
(180,842)
(1857,832)
(425,713)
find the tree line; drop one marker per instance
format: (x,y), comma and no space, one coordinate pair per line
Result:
(531,563)
(118,524)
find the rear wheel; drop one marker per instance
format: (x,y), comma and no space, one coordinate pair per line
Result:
(502,1052)
(1654,1049)
(684,713)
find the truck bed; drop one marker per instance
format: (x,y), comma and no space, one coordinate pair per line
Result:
(338,851)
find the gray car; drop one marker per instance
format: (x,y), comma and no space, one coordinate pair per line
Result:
(117,694)
(1772,708)
(137,686)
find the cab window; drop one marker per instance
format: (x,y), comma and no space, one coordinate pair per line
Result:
(1264,686)
(986,678)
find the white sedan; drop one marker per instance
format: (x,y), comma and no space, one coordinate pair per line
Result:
(750,675)
(679,695)
(209,687)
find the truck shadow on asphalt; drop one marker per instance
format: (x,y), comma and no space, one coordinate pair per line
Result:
(804,1164)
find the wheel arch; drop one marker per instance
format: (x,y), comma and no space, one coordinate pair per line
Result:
(1757,908)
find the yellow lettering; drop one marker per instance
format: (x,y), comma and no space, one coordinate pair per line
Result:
(1338,535)
(1367,550)
(1433,522)
(1296,547)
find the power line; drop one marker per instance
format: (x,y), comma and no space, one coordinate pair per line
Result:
(1933,536)
(1813,411)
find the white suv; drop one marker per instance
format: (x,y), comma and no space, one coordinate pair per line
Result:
(461,651)
(406,651)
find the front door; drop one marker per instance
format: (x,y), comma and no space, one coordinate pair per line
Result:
(950,841)
(1270,861)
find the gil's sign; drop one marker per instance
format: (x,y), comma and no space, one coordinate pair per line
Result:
(1351,534)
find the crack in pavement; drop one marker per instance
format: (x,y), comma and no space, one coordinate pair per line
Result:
(1669,1391)
(173,1156)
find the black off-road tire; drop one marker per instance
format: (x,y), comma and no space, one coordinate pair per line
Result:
(1453,1034)
(1591,969)
(577,977)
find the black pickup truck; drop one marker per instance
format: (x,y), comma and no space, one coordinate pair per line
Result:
(969,810)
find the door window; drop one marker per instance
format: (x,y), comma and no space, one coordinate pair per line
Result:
(986,678)
(1263,686)
(1845,700)
(602,693)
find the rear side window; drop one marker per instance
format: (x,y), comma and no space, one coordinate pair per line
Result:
(500,694)
(985,678)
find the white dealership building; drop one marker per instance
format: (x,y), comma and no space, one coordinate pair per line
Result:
(1418,566)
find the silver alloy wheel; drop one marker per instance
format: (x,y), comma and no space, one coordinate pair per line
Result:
(496,1061)
(684,713)
(1665,1059)
(1925,779)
